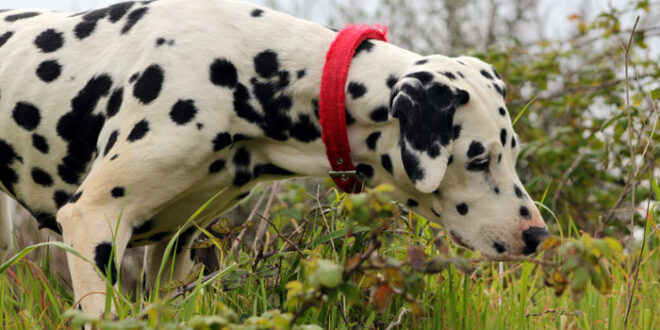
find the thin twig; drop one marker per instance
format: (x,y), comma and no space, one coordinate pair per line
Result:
(327,225)
(262,225)
(287,240)
(191,286)
(404,311)
(363,257)
(629,293)
(239,238)
(565,177)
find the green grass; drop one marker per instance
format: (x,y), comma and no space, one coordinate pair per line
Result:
(245,292)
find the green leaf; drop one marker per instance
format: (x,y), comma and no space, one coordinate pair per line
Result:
(351,292)
(291,212)
(327,274)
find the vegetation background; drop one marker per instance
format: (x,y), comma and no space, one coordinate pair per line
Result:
(584,86)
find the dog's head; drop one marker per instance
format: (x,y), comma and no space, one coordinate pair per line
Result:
(459,150)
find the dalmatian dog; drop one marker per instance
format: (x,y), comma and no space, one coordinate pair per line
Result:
(117,124)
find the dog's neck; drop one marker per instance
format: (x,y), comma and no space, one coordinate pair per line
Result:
(373,133)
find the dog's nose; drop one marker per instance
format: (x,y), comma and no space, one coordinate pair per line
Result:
(532,237)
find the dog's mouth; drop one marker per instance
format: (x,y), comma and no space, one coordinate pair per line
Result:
(458,240)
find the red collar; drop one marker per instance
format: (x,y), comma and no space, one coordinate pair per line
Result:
(332,102)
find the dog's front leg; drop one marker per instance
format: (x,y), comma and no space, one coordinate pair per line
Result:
(101,238)
(5,227)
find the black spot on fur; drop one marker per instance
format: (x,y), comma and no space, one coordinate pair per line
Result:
(184,239)
(518,191)
(118,192)
(239,137)
(217,166)
(496,74)
(104,261)
(40,143)
(301,74)
(365,46)
(412,203)
(304,130)
(356,89)
(462,209)
(75,197)
(502,111)
(49,41)
(315,106)
(5,37)
(364,171)
(424,77)
(257,13)
(379,115)
(221,141)
(143,228)
(449,75)
(115,156)
(499,247)
(183,112)
(149,85)
(111,142)
(349,119)
(513,142)
(241,178)
(457,131)
(450,160)
(26,115)
(242,105)
(386,162)
(436,213)
(524,212)
(496,190)
(16,17)
(223,73)
(503,137)
(41,177)
(7,175)
(486,74)
(242,157)
(422,62)
(48,71)
(115,101)
(411,165)
(391,81)
(133,18)
(499,158)
(500,90)
(47,220)
(60,197)
(266,64)
(85,28)
(139,131)
(118,11)
(372,140)
(475,149)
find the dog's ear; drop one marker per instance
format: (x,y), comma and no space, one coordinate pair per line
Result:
(425,110)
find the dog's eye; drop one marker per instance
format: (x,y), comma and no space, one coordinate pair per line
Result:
(481,164)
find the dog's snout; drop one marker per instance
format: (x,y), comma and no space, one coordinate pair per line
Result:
(532,237)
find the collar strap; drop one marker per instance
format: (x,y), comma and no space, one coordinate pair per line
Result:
(332,102)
